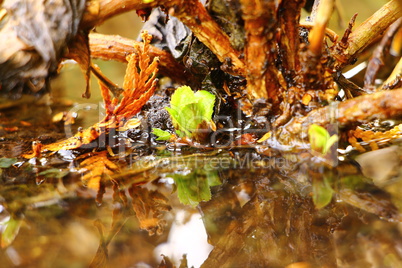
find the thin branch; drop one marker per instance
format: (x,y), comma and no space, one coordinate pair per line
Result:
(190,12)
(395,79)
(317,34)
(194,15)
(367,32)
(380,105)
(115,47)
(97,11)
(377,60)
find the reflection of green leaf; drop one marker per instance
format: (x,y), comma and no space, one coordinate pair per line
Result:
(194,187)
(162,135)
(322,192)
(54,173)
(11,229)
(319,138)
(189,110)
(7,162)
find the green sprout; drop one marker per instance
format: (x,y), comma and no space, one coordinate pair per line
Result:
(190,112)
(320,140)
(161,134)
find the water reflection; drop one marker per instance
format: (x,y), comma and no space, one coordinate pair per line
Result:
(258,211)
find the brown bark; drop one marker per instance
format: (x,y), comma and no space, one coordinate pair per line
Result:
(367,32)
(380,105)
(259,21)
(377,60)
(190,12)
(114,47)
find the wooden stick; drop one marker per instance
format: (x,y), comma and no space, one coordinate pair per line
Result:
(367,32)
(115,47)
(380,105)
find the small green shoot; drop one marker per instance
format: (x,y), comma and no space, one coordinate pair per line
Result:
(190,112)
(161,134)
(319,138)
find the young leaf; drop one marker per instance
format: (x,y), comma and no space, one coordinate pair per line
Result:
(181,97)
(331,141)
(161,134)
(191,110)
(319,138)
(206,102)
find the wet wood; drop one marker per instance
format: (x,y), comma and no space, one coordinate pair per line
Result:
(201,24)
(378,59)
(115,47)
(380,105)
(368,31)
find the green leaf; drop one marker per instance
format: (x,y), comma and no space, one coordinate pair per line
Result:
(195,187)
(11,229)
(206,102)
(188,110)
(331,141)
(54,173)
(7,162)
(181,97)
(162,135)
(319,138)
(322,192)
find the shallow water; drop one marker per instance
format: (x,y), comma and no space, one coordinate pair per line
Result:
(260,214)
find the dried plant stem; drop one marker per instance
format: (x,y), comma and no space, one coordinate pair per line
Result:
(395,79)
(317,34)
(191,12)
(97,11)
(115,47)
(380,105)
(367,32)
(378,59)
